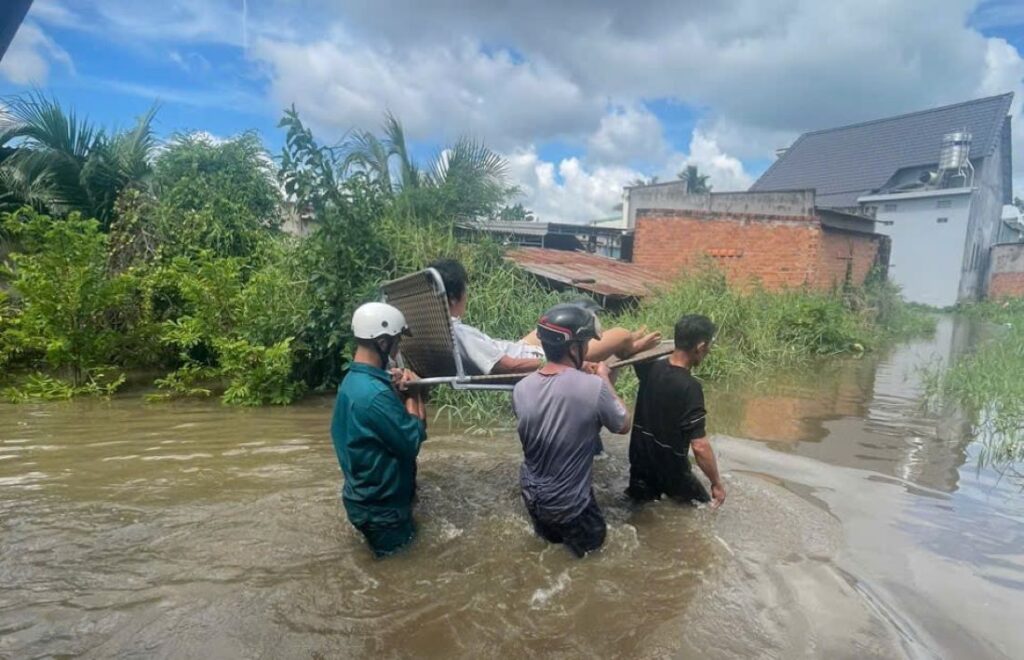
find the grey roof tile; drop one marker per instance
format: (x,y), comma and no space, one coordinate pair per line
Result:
(843,163)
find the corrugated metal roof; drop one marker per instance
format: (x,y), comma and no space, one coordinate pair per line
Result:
(598,275)
(841,164)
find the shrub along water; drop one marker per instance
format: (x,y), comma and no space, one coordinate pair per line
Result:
(988,384)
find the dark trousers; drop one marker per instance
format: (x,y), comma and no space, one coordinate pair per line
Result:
(655,470)
(388,538)
(584,533)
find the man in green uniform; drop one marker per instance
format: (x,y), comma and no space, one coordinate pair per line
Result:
(377,430)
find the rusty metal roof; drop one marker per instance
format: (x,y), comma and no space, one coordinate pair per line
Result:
(602,276)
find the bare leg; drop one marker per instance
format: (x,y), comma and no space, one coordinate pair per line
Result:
(619,342)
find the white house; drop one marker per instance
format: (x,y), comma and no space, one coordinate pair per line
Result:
(936,182)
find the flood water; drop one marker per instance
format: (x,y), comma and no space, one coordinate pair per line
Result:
(856,526)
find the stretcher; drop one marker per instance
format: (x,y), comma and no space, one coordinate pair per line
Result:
(431,352)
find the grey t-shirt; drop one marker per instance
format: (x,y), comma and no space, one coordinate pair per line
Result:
(560,416)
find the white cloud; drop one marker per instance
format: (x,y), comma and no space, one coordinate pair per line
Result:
(1004,71)
(725,173)
(190,62)
(628,134)
(30,56)
(582,191)
(445,90)
(580,194)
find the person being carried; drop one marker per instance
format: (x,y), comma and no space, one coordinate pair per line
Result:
(561,410)
(669,420)
(501,356)
(377,429)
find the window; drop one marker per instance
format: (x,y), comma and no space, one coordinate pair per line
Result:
(942,221)
(889,207)
(944,204)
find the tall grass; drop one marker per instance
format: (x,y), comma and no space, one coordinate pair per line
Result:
(759,331)
(989,383)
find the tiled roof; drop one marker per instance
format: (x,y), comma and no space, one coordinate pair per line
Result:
(841,164)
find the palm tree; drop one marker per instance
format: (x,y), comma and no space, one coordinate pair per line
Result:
(58,163)
(470,178)
(640,181)
(695,181)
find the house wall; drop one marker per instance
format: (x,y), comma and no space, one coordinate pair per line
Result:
(781,252)
(845,252)
(673,196)
(778,252)
(985,218)
(928,256)
(1006,276)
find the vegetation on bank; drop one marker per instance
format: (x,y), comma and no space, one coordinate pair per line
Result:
(120,254)
(988,383)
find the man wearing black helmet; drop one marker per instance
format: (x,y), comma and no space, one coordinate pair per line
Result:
(561,410)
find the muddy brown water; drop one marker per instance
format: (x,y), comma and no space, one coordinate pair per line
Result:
(856,526)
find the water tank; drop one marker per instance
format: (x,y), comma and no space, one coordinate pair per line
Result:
(956,147)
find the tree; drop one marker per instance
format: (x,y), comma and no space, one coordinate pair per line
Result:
(516,213)
(695,181)
(215,195)
(464,180)
(640,181)
(57,163)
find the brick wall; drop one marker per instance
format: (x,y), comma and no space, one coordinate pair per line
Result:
(842,250)
(779,252)
(1006,275)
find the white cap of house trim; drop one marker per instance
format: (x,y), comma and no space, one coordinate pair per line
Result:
(375,319)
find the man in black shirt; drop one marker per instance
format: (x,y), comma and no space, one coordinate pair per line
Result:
(670,419)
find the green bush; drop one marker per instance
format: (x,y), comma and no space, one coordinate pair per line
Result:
(66,311)
(216,196)
(232,327)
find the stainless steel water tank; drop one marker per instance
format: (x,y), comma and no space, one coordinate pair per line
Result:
(956,147)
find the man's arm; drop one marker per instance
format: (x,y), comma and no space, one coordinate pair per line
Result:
(511,365)
(401,430)
(707,463)
(617,406)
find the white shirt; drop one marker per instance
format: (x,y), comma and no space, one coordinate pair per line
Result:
(483,351)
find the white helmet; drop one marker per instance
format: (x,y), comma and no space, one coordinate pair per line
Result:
(375,319)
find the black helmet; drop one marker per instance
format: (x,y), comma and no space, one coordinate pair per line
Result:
(567,322)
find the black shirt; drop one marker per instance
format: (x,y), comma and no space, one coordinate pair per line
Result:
(669,407)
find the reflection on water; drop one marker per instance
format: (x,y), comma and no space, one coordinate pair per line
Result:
(856,527)
(865,413)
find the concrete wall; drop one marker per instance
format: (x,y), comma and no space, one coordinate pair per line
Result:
(985,218)
(672,196)
(777,251)
(1006,276)
(928,256)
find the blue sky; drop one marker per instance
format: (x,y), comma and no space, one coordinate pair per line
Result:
(580,96)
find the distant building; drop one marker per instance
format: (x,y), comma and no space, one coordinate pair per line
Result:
(935,180)
(599,239)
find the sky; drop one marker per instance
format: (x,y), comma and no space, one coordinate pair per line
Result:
(581,96)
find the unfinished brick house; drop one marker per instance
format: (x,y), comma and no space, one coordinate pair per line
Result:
(778,239)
